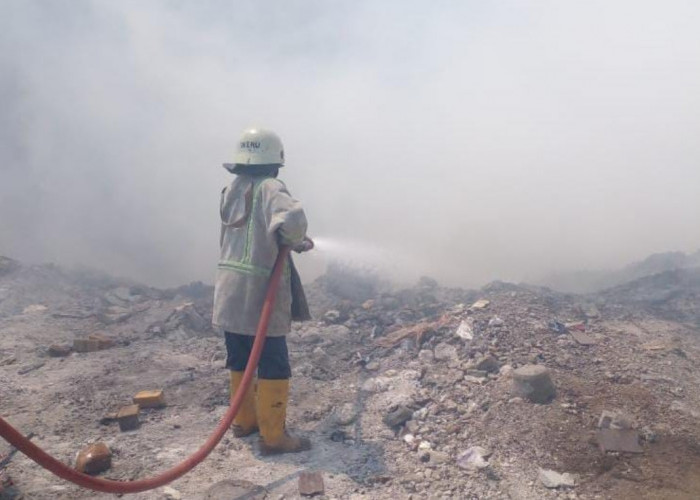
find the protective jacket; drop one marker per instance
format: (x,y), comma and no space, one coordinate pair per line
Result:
(257,215)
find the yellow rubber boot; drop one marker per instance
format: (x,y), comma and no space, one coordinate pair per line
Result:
(245,423)
(272,412)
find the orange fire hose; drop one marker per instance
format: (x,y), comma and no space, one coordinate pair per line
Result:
(12,436)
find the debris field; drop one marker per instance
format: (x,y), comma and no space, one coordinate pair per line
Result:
(510,391)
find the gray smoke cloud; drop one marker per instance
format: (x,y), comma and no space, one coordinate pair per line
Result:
(469,140)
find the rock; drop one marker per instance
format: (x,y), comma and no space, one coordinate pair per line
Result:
(445,352)
(171,493)
(377,384)
(626,441)
(480,304)
(94,342)
(426,356)
(615,420)
(473,459)
(311,483)
(398,417)
(94,459)
(8,361)
(372,366)
(551,479)
(496,322)
(128,418)
(412,426)
(506,371)
(8,265)
(59,351)
(346,414)
(465,330)
(333,316)
(235,488)
(438,457)
(30,368)
(582,338)
(186,316)
(427,283)
(34,308)
(368,304)
(150,399)
(533,383)
(488,364)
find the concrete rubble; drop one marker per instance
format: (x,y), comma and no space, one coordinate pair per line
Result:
(413,392)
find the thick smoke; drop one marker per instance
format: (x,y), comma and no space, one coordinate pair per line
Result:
(471,140)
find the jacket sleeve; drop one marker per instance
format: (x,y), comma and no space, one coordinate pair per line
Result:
(283,214)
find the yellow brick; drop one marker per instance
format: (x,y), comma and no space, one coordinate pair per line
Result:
(150,399)
(128,417)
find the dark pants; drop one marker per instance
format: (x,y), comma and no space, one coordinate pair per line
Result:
(274,360)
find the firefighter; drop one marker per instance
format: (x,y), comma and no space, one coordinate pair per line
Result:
(257,216)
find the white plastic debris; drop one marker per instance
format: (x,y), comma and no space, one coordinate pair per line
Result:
(552,479)
(465,330)
(473,459)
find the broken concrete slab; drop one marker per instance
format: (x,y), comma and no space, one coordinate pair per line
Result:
(582,338)
(94,458)
(534,383)
(311,483)
(622,440)
(615,420)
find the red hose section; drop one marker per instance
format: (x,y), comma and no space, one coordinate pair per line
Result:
(12,436)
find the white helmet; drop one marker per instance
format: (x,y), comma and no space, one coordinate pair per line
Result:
(258,147)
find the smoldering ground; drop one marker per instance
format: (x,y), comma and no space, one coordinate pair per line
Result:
(470,140)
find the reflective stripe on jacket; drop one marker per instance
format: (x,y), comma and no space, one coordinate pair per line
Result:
(257,215)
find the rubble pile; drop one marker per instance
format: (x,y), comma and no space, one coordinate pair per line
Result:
(509,391)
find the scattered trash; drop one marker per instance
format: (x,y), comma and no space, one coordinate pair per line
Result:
(551,479)
(465,330)
(473,459)
(557,326)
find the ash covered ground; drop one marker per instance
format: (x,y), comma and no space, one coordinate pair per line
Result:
(405,393)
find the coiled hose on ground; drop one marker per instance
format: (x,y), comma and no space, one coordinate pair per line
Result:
(16,439)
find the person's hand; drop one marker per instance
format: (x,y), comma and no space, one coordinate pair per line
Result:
(305,245)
